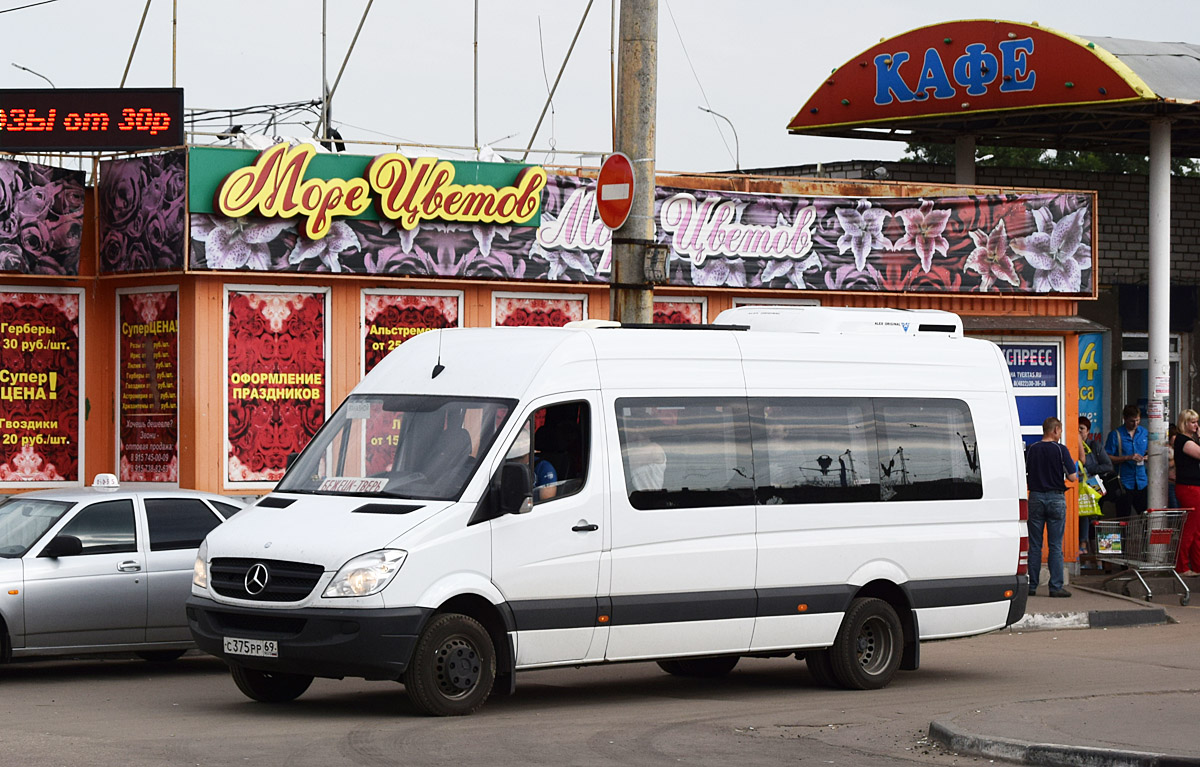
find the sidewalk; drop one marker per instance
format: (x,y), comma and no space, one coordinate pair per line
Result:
(1118,736)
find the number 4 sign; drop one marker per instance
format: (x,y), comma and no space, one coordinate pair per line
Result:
(1091,379)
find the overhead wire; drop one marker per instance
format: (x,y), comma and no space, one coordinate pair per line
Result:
(31,5)
(696,75)
(546,81)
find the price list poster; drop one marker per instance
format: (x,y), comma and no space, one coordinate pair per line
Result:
(40,381)
(276,373)
(147,385)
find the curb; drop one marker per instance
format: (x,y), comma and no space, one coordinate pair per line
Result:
(1143,615)
(1092,619)
(1050,754)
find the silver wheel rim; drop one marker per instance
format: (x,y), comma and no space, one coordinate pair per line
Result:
(874,646)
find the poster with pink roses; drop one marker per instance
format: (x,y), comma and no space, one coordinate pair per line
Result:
(41,218)
(531,309)
(143,213)
(276,365)
(667,312)
(40,381)
(148,361)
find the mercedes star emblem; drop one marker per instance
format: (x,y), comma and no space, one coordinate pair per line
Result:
(257,578)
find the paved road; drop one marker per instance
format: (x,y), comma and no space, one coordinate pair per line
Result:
(128,712)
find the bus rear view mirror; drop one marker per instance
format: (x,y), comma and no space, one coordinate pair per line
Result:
(516,489)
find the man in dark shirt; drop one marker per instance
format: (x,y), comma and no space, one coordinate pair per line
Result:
(1047,463)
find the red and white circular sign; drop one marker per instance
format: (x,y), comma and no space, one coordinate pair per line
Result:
(614,190)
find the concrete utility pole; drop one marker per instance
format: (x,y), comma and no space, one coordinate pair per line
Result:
(632,298)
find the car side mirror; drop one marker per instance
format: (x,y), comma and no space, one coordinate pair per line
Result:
(62,546)
(516,489)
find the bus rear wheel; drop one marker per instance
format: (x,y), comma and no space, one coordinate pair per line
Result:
(869,645)
(821,668)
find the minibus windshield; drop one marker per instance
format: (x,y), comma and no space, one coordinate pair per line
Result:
(24,520)
(399,446)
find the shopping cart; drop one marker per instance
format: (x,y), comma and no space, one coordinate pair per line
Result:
(1143,543)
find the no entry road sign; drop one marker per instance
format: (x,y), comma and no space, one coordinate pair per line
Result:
(614,190)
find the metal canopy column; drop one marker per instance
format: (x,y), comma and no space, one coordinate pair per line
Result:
(964,160)
(1159,310)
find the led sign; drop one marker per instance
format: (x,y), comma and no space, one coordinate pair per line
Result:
(90,119)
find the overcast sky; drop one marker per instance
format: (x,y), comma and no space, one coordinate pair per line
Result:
(410,77)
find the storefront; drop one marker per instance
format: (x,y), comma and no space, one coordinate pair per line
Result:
(215,305)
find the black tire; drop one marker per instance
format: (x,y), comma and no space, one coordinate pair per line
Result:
(269,687)
(672,667)
(453,667)
(868,647)
(821,668)
(160,656)
(700,668)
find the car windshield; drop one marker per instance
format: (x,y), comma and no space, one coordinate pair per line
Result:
(24,520)
(398,446)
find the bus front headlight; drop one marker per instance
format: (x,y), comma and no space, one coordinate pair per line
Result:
(367,574)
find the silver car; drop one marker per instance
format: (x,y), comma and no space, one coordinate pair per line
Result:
(101,569)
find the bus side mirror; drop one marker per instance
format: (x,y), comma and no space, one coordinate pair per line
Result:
(516,489)
(291,458)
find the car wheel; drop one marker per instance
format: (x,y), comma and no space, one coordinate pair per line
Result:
(867,650)
(821,667)
(702,668)
(453,666)
(161,656)
(269,687)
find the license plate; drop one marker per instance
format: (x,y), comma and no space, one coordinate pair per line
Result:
(259,648)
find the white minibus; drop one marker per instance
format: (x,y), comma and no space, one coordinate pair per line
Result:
(834,484)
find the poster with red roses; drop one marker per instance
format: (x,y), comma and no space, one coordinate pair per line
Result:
(679,312)
(147,385)
(40,381)
(532,309)
(277,365)
(391,317)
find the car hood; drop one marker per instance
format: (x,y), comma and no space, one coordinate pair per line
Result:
(320,530)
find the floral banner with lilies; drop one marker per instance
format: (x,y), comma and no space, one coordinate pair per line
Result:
(1027,243)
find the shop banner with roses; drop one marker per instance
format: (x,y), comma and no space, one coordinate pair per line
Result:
(41,218)
(1017,244)
(40,381)
(143,205)
(276,371)
(148,362)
